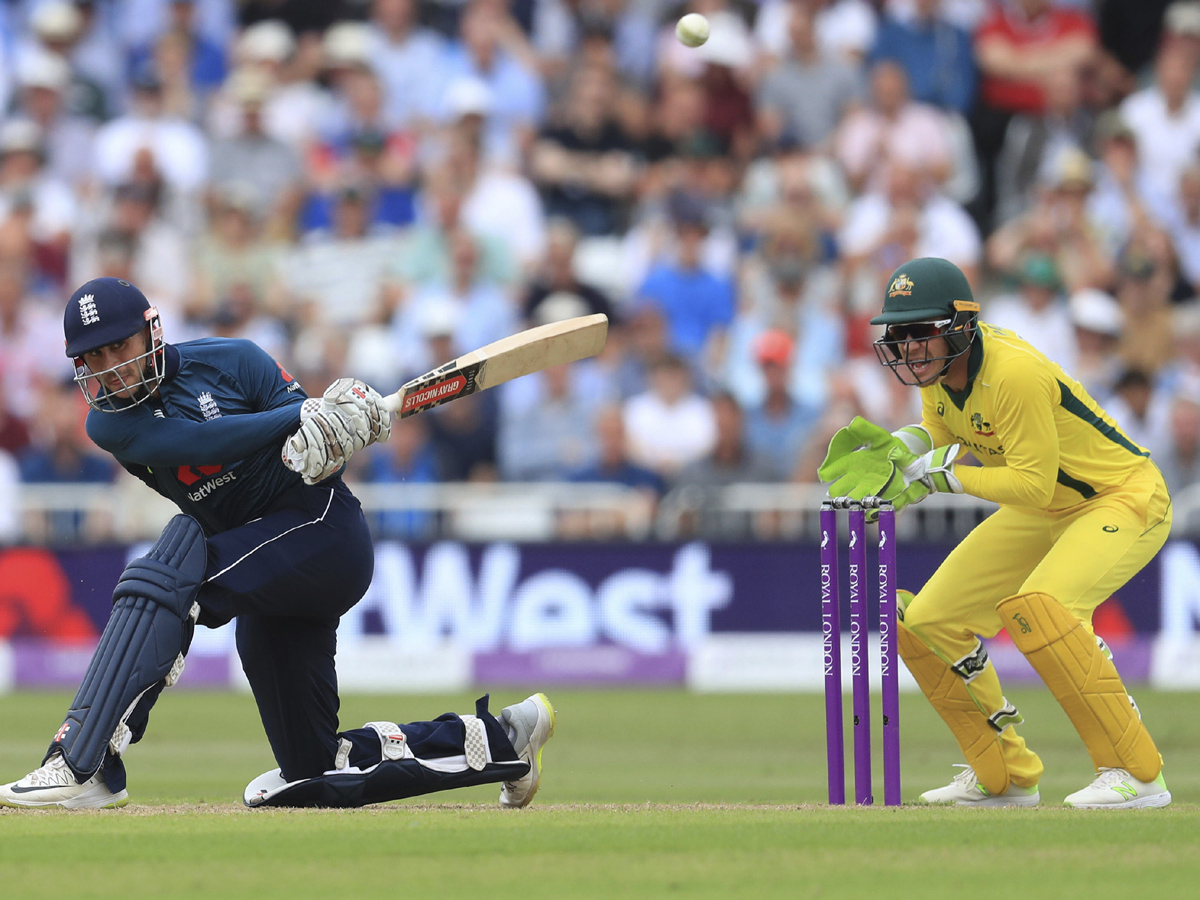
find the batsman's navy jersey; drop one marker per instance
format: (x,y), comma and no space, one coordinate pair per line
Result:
(195,442)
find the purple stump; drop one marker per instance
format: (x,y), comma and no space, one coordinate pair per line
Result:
(859,664)
(831,634)
(888,670)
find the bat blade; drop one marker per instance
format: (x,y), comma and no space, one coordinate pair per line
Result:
(520,354)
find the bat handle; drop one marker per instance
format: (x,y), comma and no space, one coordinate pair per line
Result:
(392,402)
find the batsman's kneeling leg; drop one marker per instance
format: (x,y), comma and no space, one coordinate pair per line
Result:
(140,652)
(383,761)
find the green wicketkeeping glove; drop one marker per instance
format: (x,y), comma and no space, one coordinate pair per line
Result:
(860,435)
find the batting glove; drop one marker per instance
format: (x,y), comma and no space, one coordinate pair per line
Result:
(354,399)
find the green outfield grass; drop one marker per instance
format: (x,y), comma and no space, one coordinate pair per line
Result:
(646,794)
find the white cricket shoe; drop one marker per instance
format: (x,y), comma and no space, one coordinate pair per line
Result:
(54,784)
(530,724)
(1117,789)
(965,790)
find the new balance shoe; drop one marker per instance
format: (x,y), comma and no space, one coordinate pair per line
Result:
(1117,789)
(54,784)
(529,724)
(965,790)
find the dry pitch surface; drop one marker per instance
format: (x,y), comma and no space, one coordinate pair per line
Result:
(646,794)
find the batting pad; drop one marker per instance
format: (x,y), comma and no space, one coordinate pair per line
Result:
(1084,681)
(947,691)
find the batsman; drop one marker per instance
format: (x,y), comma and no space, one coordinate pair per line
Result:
(268,535)
(1082,510)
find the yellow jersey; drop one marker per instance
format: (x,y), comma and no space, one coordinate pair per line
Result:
(1043,442)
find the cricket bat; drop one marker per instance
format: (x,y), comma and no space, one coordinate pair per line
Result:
(520,354)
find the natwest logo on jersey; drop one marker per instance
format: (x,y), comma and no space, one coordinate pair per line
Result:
(190,475)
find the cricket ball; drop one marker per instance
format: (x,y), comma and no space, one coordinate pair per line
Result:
(692,29)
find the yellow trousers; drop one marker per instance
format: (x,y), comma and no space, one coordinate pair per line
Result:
(1079,556)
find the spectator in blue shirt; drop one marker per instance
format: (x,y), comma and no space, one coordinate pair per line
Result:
(408,457)
(697,304)
(936,54)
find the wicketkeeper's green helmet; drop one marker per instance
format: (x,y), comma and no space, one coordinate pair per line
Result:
(926,298)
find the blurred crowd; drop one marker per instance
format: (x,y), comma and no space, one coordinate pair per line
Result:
(372,187)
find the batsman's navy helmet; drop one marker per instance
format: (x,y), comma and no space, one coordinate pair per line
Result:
(104,311)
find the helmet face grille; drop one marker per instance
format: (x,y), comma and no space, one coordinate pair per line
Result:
(904,345)
(151,368)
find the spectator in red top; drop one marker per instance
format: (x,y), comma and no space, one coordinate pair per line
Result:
(1020,46)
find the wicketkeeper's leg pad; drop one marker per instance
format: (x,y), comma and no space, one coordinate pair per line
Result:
(383,761)
(140,652)
(981,735)
(1084,681)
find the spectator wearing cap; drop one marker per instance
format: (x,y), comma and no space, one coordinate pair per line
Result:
(698,303)
(583,163)
(73,32)
(1181,26)
(411,62)
(556,293)
(175,149)
(253,160)
(670,425)
(206,63)
(1165,119)
(1098,323)
(805,95)
(295,104)
(892,129)
(28,194)
(778,428)
(935,53)
(491,48)
(42,81)
(1037,311)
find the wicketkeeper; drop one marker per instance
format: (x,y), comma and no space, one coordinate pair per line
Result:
(283,549)
(1082,509)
